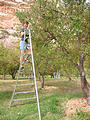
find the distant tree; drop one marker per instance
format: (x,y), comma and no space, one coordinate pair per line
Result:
(9,61)
(3,60)
(13,64)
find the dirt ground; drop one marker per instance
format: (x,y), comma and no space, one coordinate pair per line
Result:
(74,105)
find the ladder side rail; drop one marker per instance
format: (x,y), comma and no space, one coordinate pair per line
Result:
(18,73)
(21,58)
(34,75)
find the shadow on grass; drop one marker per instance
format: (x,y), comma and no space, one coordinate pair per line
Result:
(24,103)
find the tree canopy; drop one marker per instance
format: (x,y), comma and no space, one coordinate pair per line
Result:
(60,35)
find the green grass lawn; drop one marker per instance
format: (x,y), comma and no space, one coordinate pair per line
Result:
(50,102)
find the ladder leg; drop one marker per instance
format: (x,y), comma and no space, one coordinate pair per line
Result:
(14,88)
(34,76)
(21,61)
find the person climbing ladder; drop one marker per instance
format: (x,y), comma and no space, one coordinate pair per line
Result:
(24,45)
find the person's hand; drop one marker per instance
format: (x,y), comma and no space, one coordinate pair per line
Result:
(22,33)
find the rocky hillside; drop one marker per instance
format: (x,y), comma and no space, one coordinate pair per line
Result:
(9,21)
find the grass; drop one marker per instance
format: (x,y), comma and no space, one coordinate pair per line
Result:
(50,102)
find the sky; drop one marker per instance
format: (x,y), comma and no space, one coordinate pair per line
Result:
(87,0)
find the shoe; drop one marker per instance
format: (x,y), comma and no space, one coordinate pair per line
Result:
(22,68)
(26,61)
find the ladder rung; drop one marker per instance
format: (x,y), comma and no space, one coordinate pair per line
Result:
(14,100)
(27,62)
(25,85)
(27,54)
(24,92)
(26,70)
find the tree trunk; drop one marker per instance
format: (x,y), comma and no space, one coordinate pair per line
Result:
(13,75)
(52,76)
(69,77)
(84,84)
(42,81)
(3,75)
